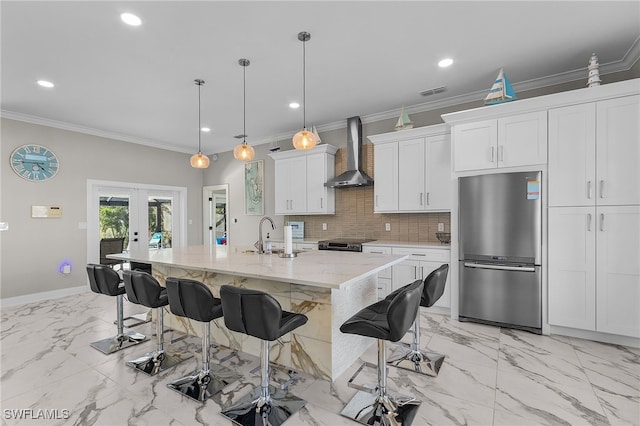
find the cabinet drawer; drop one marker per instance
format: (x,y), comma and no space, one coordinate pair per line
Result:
(435,255)
(386,273)
(306,246)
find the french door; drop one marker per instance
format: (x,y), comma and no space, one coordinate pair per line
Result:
(146,217)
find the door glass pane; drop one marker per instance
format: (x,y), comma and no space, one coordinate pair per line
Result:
(114,217)
(160,213)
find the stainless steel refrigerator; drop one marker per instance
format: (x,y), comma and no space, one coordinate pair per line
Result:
(500,250)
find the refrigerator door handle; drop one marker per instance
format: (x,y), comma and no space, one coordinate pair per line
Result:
(500,267)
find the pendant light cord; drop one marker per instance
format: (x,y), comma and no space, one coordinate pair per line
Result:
(199,114)
(244,104)
(304,84)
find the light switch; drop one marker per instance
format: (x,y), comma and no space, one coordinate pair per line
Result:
(324,226)
(387,227)
(441,227)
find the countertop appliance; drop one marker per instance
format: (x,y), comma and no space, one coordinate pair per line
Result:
(500,250)
(343,244)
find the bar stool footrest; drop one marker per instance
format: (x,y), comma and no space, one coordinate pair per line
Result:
(292,376)
(201,385)
(384,410)
(155,362)
(254,409)
(422,362)
(364,388)
(115,343)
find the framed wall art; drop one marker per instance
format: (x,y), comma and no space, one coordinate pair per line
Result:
(254,187)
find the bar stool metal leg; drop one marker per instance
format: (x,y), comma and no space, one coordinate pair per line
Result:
(266,405)
(381,407)
(412,358)
(122,340)
(154,362)
(208,381)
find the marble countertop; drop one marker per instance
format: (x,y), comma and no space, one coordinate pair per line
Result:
(317,268)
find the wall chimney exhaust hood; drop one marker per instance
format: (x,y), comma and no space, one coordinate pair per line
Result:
(354,176)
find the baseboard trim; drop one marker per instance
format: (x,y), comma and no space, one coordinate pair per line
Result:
(45,295)
(613,339)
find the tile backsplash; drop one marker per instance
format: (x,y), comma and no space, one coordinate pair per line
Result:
(355,218)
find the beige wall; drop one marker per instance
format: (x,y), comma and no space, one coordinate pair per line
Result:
(32,249)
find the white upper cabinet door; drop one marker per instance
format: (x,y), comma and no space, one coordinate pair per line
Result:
(385,187)
(618,151)
(282,193)
(320,199)
(572,267)
(618,270)
(411,175)
(475,145)
(438,172)
(572,155)
(298,185)
(522,139)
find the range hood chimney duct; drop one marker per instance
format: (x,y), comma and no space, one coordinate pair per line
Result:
(354,176)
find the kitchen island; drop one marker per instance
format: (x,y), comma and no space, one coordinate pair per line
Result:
(327,286)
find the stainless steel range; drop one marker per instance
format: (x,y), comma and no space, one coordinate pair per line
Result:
(343,244)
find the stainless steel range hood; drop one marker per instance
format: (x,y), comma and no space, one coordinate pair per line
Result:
(354,176)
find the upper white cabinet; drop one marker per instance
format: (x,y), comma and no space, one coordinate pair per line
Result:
(516,140)
(594,150)
(300,178)
(412,170)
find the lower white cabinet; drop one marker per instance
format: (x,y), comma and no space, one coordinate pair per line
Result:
(594,268)
(419,265)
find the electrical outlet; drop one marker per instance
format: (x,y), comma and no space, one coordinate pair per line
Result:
(387,227)
(441,227)
(324,226)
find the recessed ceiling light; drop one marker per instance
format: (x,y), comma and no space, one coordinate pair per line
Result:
(294,105)
(130,19)
(445,63)
(205,129)
(45,83)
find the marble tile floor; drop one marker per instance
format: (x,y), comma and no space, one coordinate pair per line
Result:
(491,376)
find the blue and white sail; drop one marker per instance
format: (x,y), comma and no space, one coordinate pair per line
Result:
(501,91)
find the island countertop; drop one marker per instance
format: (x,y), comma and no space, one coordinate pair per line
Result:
(317,268)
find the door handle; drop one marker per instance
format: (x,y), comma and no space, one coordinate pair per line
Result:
(501,153)
(589,222)
(415,272)
(500,267)
(421,198)
(602,222)
(428,198)
(492,152)
(589,189)
(602,189)
(321,206)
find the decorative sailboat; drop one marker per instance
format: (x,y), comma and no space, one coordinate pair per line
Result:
(315,132)
(404,122)
(274,146)
(501,91)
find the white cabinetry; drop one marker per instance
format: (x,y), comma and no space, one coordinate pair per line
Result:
(384,276)
(594,273)
(300,178)
(419,265)
(517,140)
(412,170)
(594,151)
(594,216)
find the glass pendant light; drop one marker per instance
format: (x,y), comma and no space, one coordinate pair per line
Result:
(304,139)
(243,151)
(199,160)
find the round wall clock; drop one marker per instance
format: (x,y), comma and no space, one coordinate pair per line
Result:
(34,162)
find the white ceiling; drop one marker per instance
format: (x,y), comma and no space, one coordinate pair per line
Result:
(365,58)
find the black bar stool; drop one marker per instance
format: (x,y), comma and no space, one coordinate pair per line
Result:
(104,280)
(192,299)
(411,357)
(387,319)
(143,289)
(260,315)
